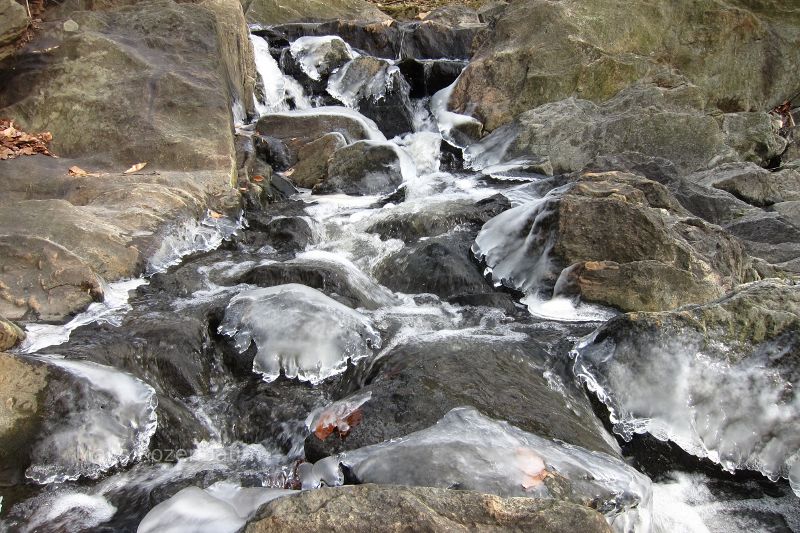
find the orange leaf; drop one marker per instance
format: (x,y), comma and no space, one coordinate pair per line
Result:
(136,168)
(258,179)
(214,214)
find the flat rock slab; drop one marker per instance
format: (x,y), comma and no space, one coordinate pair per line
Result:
(368,508)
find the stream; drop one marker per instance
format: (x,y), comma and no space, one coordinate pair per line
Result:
(192,396)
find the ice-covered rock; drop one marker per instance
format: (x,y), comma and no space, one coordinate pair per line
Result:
(103,420)
(298,331)
(224,507)
(719,380)
(320,56)
(470,451)
(279,92)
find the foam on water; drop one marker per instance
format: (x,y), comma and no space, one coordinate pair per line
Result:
(111,310)
(111,421)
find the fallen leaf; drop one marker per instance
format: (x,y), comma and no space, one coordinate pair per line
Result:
(258,179)
(77,171)
(289,172)
(136,168)
(214,214)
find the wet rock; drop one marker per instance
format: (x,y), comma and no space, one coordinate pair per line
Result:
(22,384)
(426,78)
(362,168)
(10,334)
(438,265)
(13,22)
(312,166)
(365,508)
(437,218)
(378,90)
(453,15)
(616,239)
(736,358)
(319,57)
(655,121)
(274,152)
(271,12)
(417,382)
(284,233)
(523,64)
(329,273)
(42,280)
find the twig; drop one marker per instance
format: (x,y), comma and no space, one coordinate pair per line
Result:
(27,5)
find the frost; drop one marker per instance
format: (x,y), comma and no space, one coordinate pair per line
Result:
(299,331)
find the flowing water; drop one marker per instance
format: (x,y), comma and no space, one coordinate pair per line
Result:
(106,467)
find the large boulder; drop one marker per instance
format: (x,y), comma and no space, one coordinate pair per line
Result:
(741,54)
(13,22)
(271,12)
(10,334)
(752,184)
(718,379)
(366,508)
(613,238)
(417,382)
(653,120)
(297,129)
(169,72)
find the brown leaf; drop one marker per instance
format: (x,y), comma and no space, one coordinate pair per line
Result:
(214,214)
(77,171)
(289,172)
(136,168)
(257,179)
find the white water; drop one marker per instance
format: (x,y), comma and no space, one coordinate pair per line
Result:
(279,89)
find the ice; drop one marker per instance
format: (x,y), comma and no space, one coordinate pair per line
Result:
(110,419)
(192,237)
(338,416)
(742,414)
(448,121)
(71,511)
(491,150)
(516,248)
(566,309)
(281,92)
(298,331)
(311,54)
(223,507)
(111,310)
(350,87)
(472,452)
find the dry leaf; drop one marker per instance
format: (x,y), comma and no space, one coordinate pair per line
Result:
(289,172)
(214,214)
(77,171)
(136,168)
(257,179)
(14,142)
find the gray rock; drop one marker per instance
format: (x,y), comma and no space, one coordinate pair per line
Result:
(13,23)
(270,12)
(312,165)
(362,168)
(366,508)
(752,184)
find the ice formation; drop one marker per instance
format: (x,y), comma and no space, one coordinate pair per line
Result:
(312,52)
(279,90)
(111,418)
(224,507)
(469,451)
(448,121)
(298,331)
(741,414)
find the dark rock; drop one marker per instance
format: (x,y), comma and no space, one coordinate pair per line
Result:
(274,152)
(284,233)
(416,383)
(437,218)
(426,78)
(365,508)
(361,168)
